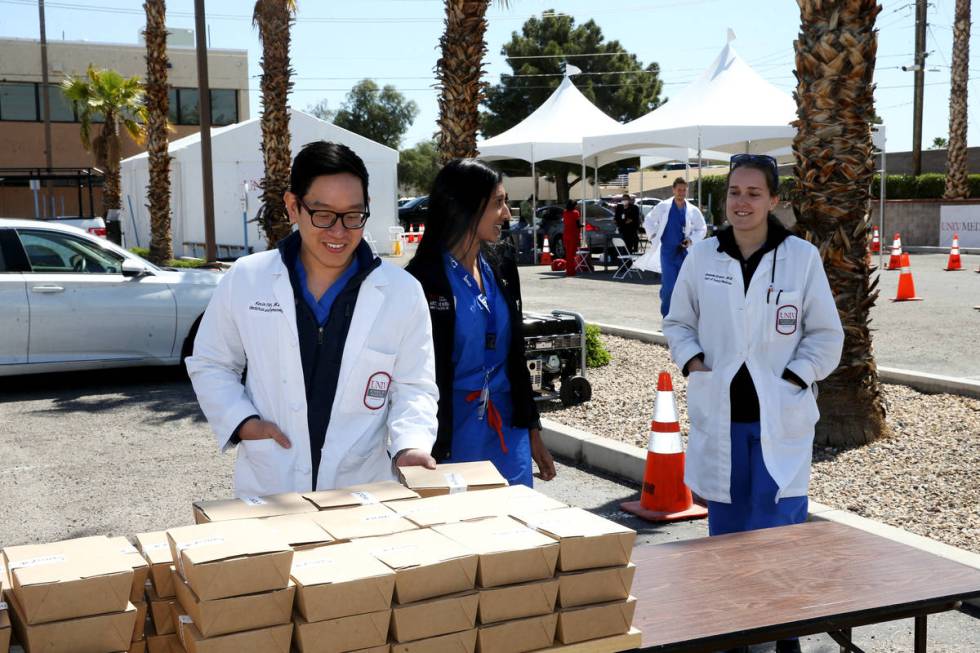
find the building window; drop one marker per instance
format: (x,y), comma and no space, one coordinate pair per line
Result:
(172,106)
(61,108)
(18,102)
(188,111)
(224,106)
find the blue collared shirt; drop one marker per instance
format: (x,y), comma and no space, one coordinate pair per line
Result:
(321,308)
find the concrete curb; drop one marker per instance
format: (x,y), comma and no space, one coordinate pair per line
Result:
(934,249)
(628,462)
(921,381)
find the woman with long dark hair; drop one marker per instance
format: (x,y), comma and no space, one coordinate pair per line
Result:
(486,406)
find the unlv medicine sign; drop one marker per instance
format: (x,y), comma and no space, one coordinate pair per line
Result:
(962,219)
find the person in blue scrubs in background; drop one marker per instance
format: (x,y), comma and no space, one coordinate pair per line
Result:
(672,228)
(486,405)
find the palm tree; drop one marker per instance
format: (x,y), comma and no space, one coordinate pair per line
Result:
(835,62)
(118,101)
(274,19)
(158,107)
(459,70)
(957,186)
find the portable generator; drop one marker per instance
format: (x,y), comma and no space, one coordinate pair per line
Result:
(554,346)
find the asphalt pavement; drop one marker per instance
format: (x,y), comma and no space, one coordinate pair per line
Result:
(127,451)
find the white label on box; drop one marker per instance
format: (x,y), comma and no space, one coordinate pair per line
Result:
(185,619)
(314,563)
(456,482)
(157,545)
(129,549)
(253,501)
(36,562)
(204,541)
(514,532)
(377,517)
(365,498)
(377,553)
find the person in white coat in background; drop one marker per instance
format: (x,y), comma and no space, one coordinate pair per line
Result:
(315,359)
(754,324)
(672,228)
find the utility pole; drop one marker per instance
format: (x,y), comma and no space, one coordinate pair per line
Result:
(920,76)
(204,106)
(45,91)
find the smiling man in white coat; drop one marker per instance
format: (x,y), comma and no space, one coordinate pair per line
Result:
(315,359)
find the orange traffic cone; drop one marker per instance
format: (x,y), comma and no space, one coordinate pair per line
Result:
(664,496)
(895,260)
(875,241)
(954,264)
(546,253)
(906,286)
(421,231)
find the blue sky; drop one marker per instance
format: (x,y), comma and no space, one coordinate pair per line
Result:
(396,42)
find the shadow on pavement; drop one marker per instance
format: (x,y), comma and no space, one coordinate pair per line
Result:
(165,391)
(648,278)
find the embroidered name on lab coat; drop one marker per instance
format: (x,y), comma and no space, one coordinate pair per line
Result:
(724,279)
(376,392)
(265,307)
(439,304)
(787,318)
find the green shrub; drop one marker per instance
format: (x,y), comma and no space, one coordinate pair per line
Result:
(172,263)
(931,185)
(596,353)
(141,251)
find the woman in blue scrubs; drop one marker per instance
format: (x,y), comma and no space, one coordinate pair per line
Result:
(486,406)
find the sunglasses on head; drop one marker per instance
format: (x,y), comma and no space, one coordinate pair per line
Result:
(763,161)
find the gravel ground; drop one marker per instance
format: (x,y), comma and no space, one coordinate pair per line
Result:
(923,478)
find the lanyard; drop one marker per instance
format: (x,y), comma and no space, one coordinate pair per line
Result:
(484,298)
(772,278)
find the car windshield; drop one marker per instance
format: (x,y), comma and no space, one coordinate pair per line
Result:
(413,203)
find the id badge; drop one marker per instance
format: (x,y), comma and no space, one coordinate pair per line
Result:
(481,408)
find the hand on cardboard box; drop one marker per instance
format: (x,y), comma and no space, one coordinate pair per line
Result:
(541,455)
(259,429)
(414,458)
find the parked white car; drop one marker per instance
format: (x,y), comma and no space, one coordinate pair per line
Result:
(71,301)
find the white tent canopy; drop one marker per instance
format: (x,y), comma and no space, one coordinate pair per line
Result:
(553,132)
(238,167)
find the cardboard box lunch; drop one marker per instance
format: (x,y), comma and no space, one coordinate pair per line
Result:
(362,521)
(509,551)
(586,540)
(299,531)
(89,634)
(139,628)
(433,617)
(249,507)
(461,642)
(169,643)
(339,581)
(137,647)
(466,506)
(4,623)
(236,613)
(452,478)
(156,550)
(351,633)
(518,601)
(141,568)
(595,586)
(64,580)
(160,614)
(360,495)
(519,635)
(427,564)
(595,621)
(274,639)
(231,558)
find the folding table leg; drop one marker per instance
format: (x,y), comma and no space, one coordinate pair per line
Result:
(921,633)
(843,637)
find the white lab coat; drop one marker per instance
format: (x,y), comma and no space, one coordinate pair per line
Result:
(799,328)
(251,321)
(654,225)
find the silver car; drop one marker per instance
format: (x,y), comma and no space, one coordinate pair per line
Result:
(73,301)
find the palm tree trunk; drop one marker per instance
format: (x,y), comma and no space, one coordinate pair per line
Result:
(111,191)
(274,19)
(157,141)
(957,186)
(459,70)
(835,61)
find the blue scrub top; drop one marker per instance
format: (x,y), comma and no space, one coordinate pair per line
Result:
(321,308)
(475,366)
(673,234)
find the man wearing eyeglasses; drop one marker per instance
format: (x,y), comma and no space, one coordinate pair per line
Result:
(315,359)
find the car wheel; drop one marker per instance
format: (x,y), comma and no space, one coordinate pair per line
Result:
(188,347)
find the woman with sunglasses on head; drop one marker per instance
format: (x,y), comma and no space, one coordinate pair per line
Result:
(486,406)
(754,324)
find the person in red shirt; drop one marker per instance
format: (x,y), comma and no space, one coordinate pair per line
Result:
(570,232)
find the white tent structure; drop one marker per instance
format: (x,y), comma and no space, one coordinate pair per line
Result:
(238,167)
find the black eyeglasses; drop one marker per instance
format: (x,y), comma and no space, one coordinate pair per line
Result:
(327,219)
(762,160)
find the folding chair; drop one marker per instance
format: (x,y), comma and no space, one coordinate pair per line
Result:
(582,256)
(372,243)
(625,260)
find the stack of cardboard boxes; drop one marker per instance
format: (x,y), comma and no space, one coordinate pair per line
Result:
(4,614)
(233,588)
(161,632)
(71,596)
(137,596)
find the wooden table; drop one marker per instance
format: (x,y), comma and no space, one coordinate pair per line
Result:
(714,593)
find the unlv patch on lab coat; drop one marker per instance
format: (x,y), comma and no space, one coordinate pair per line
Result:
(376,392)
(787,317)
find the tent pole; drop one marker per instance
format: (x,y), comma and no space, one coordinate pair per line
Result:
(700,165)
(585,185)
(534,208)
(881,206)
